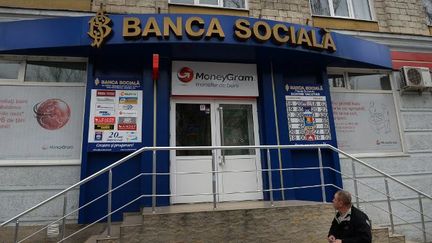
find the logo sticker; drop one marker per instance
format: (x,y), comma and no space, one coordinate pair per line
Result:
(185,74)
(104,120)
(98,136)
(104,93)
(128,100)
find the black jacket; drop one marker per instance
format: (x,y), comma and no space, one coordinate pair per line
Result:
(354,229)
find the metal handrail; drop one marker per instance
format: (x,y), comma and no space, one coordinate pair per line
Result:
(384,210)
(213,148)
(143,149)
(376,190)
(380,172)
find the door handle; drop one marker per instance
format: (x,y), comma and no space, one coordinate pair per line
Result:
(221,160)
(222,138)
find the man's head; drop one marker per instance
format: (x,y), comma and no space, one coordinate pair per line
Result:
(342,200)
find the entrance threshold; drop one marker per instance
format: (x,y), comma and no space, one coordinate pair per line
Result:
(225,206)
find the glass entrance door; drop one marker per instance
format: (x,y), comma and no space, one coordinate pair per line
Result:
(207,123)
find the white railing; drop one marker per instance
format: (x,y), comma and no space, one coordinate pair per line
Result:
(214,193)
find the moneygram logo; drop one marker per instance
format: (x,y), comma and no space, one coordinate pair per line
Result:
(185,74)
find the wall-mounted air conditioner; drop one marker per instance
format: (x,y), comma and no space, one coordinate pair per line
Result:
(416,78)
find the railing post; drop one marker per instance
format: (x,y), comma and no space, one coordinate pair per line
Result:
(64,218)
(109,202)
(422,217)
(214,177)
(16,231)
(389,205)
(355,183)
(154,182)
(269,172)
(323,192)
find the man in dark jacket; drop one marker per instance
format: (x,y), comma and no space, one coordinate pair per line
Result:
(350,225)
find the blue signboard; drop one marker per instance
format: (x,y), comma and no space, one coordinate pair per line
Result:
(307,113)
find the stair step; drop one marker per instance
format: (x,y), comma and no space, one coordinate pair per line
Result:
(104,238)
(397,238)
(108,240)
(288,221)
(380,235)
(230,224)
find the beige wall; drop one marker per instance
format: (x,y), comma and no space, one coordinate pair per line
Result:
(391,16)
(293,11)
(133,6)
(76,5)
(401,17)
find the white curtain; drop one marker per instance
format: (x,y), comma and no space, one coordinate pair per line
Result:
(234,3)
(428,7)
(182,1)
(209,2)
(361,9)
(340,8)
(320,7)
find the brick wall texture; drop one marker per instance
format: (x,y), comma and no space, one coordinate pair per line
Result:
(392,16)
(133,6)
(401,16)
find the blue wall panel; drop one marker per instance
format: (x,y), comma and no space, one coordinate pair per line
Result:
(304,73)
(112,65)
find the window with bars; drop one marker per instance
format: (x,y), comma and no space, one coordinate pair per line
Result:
(355,9)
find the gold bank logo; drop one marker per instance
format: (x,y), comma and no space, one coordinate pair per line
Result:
(99,28)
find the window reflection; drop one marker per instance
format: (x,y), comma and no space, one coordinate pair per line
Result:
(182,1)
(361,9)
(217,3)
(369,81)
(193,128)
(9,69)
(428,7)
(234,3)
(336,80)
(39,71)
(340,8)
(320,7)
(238,128)
(209,2)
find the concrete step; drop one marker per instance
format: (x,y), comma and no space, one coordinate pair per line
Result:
(380,235)
(234,222)
(395,238)
(257,221)
(104,238)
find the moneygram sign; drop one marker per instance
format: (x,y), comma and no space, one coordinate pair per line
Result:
(214,79)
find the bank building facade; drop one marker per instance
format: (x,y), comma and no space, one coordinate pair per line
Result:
(305,84)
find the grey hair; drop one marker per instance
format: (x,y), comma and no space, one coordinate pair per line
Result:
(345,197)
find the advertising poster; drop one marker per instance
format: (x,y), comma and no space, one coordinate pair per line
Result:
(40,122)
(115,115)
(214,79)
(307,113)
(366,123)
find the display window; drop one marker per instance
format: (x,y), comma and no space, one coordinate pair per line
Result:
(41,110)
(364,112)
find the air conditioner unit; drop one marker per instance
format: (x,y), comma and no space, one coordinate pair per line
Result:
(416,78)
